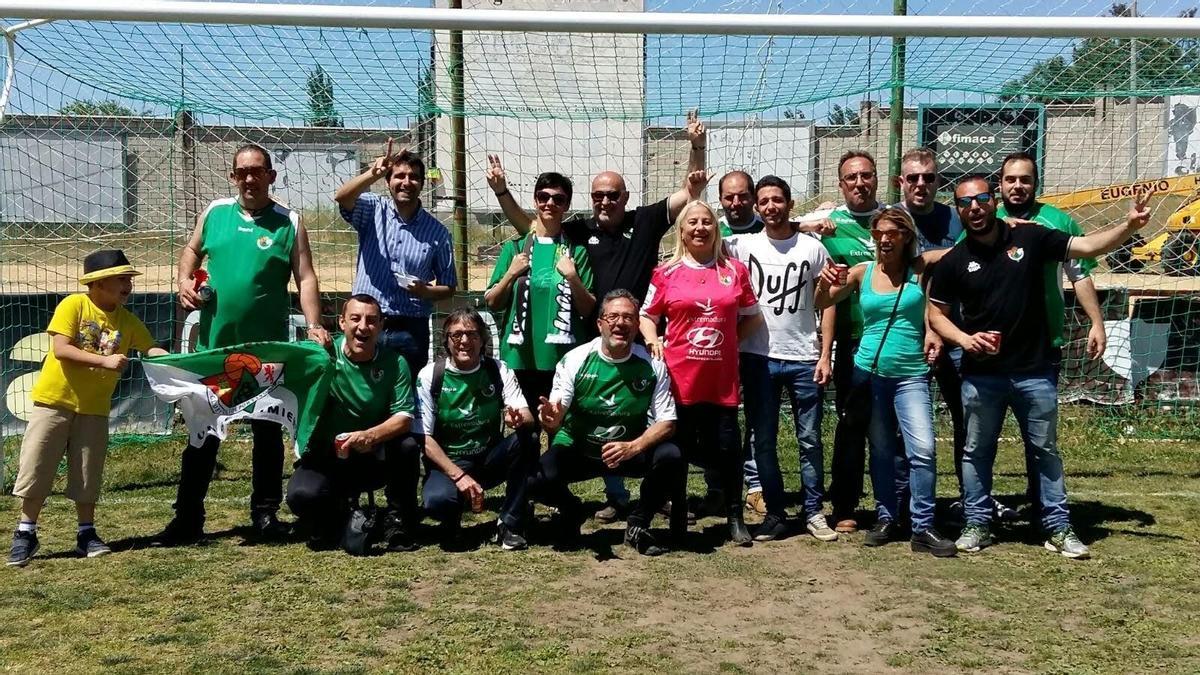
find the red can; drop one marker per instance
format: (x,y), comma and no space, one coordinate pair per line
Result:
(339,446)
(843,273)
(996,337)
(477,501)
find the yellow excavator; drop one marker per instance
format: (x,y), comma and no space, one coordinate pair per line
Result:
(1177,247)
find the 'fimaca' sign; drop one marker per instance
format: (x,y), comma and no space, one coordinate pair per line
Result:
(946,138)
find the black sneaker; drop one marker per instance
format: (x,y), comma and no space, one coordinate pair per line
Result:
(397,536)
(267,527)
(883,532)
(179,533)
(933,543)
(773,527)
(509,539)
(88,544)
(738,534)
(24,545)
(640,540)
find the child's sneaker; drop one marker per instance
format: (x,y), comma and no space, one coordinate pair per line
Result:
(88,544)
(24,545)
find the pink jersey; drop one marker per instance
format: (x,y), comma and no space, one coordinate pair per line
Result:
(701,305)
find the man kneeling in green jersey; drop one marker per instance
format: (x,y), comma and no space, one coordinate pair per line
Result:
(362,441)
(462,398)
(610,412)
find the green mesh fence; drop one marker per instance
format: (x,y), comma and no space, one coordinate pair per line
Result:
(120,133)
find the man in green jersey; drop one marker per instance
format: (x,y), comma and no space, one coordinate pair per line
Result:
(610,412)
(360,443)
(850,244)
(464,401)
(1019,205)
(254,246)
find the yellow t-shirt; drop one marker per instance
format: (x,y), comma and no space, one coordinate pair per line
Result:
(84,389)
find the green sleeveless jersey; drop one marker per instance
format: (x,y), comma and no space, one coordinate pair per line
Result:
(609,400)
(468,415)
(249,266)
(850,245)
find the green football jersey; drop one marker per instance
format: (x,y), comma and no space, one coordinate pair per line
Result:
(536,353)
(362,395)
(850,245)
(753,227)
(470,410)
(249,265)
(1056,310)
(609,400)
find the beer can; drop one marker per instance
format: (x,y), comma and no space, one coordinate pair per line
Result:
(996,336)
(843,273)
(339,445)
(477,501)
(206,293)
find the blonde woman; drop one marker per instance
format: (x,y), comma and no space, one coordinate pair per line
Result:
(893,361)
(706,300)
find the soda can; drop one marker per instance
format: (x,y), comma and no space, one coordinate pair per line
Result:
(996,337)
(206,293)
(477,501)
(843,273)
(339,446)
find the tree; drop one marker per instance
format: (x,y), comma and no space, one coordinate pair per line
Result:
(793,114)
(321,110)
(1101,66)
(840,115)
(97,109)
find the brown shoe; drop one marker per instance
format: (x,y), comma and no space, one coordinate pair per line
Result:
(846,526)
(611,513)
(756,504)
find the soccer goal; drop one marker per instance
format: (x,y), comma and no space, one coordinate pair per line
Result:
(120,120)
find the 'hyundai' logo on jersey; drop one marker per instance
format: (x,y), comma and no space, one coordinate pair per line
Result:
(705,337)
(608,433)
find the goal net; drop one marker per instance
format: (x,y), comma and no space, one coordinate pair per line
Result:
(118,133)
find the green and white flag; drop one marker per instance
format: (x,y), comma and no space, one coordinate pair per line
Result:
(284,382)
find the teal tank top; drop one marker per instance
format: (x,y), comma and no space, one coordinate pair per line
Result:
(903,353)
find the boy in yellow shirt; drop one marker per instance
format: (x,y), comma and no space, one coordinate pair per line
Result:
(91,334)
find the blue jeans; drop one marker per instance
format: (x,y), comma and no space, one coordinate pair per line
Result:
(409,337)
(901,408)
(762,380)
(1034,402)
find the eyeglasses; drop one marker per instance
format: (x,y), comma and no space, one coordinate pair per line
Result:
(463,335)
(600,195)
(247,172)
(615,318)
(558,198)
(964,202)
(887,234)
(913,178)
(861,175)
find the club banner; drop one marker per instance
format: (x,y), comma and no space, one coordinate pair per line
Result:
(283,382)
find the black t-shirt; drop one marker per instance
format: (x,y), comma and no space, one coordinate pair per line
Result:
(626,258)
(1001,287)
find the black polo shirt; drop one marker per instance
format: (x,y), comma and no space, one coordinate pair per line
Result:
(1001,287)
(625,258)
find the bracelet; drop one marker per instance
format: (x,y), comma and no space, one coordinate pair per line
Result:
(501,193)
(460,477)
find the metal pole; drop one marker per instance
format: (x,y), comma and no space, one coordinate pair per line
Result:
(1133,102)
(458,102)
(896,130)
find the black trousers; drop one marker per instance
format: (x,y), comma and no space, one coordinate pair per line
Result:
(506,462)
(534,385)
(662,468)
(266,473)
(853,406)
(709,437)
(323,487)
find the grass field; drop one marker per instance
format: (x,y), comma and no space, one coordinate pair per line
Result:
(787,606)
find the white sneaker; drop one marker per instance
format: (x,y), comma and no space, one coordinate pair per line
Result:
(819,528)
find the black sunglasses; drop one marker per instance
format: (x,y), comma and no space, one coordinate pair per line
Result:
(965,201)
(914,177)
(558,198)
(613,195)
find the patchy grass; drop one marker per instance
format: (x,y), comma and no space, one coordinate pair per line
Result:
(785,606)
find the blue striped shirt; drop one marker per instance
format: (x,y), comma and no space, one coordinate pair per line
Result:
(388,245)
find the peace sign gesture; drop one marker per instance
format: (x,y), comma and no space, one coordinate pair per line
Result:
(696,133)
(1139,214)
(496,179)
(381,165)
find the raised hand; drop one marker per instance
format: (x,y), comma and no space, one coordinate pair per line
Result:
(382,164)
(696,132)
(1139,214)
(550,414)
(829,275)
(696,181)
(496,178)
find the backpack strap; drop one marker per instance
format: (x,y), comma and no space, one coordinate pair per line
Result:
(439,377)
(492,367)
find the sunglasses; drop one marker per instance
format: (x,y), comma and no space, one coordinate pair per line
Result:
(612,195)
(965,201)
(558,198)
(861,175)
(887,234)
(915,177)
(255,171)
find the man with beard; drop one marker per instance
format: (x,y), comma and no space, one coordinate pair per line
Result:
(622,245)
(610,414)
(405,255)
(849,245)
(997,278)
